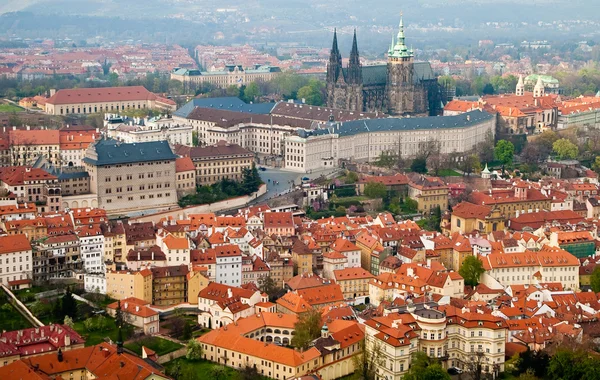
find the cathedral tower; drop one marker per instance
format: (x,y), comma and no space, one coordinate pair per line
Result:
(400,83)
(539,90)
(520,90)
(354,79)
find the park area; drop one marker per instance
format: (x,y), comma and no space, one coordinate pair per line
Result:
(159,345)
(183,368)
(6,107)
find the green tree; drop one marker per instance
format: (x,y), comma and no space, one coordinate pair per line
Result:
(504,152)
(471,164)
(488,89)
(424,368)
(565,149)
(595,280)
(187,331)
(267,285)
(368,360)
(233,90)
(596,165)
(307,328)
(89,324)
(218,372)
(194,350)
(386,160)
(250,180)
(68,304)
(101,322)
(375,190)
(68,321)
(471,269)
(311,93)
(351,177)
(419,165)
(251,92)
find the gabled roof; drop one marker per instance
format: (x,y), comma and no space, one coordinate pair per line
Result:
(112,152)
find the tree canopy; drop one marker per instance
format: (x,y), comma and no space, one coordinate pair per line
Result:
(375,190)
(595,280)
(419,165)
(307,328)
(504,152)
(471,269)
(423,367)
(565,149)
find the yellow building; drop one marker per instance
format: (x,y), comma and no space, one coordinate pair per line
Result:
(216,162)
(126,284)
(467,217)
(27,145)
(353,281)
(196,282)
(429,192)
(169,285)
(232,75)
(302,257)
(522,198)
(105,99)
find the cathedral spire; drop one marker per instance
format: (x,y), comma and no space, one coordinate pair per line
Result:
(334,66)
(354,67)
(400,48)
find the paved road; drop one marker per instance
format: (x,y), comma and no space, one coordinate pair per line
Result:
(279,181)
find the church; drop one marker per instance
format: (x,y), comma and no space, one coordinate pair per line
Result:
(402,87)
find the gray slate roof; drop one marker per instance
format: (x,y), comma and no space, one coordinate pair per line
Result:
(377,75)
(111,152)
(224,103)
(350,128)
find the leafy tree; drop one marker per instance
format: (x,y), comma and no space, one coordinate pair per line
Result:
(488,89)
(251,92)
(471,164)
(340,211)
(351,177)
(194,350)
(268,285)
(68,304)
(565,149)
(504,152)
(424,368)
(544,143)
(419,165)
(369,359)
(471,269)
(89,324)
(250,180)
(101,323)
(232,90)
(595,280)
(187,331)
(195,139)
(218,372)
(310,95)
(409,205)
(250,372)
(308,328)
(386,160)
(375,190)
(68,321)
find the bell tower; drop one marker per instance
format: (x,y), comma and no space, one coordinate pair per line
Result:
(400,81)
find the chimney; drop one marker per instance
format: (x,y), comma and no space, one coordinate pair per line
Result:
(60,355)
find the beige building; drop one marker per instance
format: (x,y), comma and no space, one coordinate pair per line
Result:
(105,99)
(17,254)
(186,176)
(454,337)
(216,162)
(429,192)
(27,145)
(137,313)
(125,284)
(132,177)
(232,75)
(354,282)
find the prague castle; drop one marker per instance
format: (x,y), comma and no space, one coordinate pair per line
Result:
(402,87)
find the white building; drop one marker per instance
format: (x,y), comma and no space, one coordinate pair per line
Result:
(221,305)
(95,283)
(91,243)
(158,128)
(228,265)
(15,259)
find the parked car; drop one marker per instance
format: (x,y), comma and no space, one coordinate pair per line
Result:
(454,371)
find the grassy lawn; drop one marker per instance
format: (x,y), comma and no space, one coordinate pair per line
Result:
(201,369)
(5,107)
(97,336)
(11,319)
(159,345)
(448,173)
